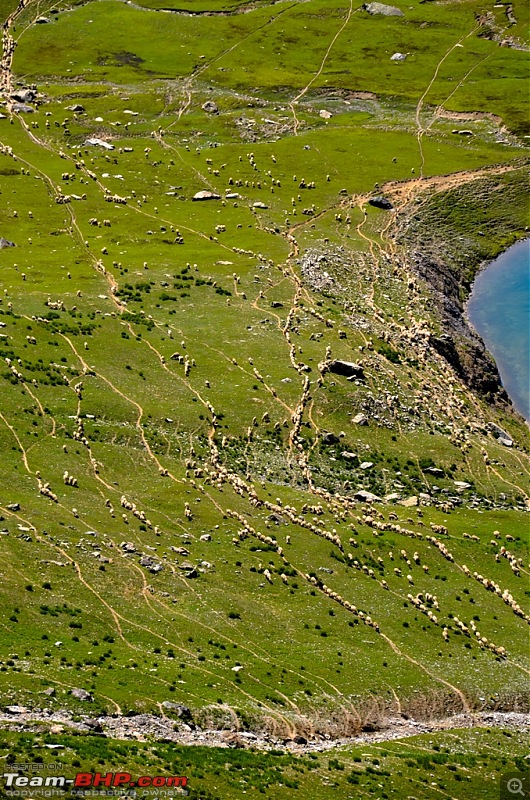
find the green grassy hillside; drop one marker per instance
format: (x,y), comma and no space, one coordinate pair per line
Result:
(195,505)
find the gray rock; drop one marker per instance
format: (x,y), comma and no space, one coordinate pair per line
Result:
(300,740)
(398,57)
(16,710)
(381,202)
(381,8)
(409,502)
(347,368)
(82,694)
(13,507)
(210,107)
(99,143)
(367,464)
(206,195)
(367,497)
(6,243)
(21,108)
(329,438)
(23,95)
(360,419)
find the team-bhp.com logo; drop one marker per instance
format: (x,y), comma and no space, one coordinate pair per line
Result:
(16,783)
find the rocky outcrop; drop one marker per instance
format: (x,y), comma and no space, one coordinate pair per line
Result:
(461,347)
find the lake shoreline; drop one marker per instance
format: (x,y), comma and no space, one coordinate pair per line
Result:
(473,313)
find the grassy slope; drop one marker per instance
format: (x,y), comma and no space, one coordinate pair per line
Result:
(147,637)
(459,763)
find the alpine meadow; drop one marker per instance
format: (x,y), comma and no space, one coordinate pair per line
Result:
(263,496)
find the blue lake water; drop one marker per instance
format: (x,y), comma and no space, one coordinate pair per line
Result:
(499,310)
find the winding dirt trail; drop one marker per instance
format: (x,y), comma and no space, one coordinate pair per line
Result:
(319,71)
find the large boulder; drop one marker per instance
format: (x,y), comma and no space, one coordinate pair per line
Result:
(95,142)
(381,202)
(210,107)
(206,195)
(381,8)
(82,694)
(23,95)
(367,497)
(346,368)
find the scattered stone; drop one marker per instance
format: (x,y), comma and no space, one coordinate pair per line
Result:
(300,740)
(500,434)
(206,195)
(349,456)
(99,143)
(13,507)
(23,95)
(76,108)
(17,710)
(360,419)
(367,497)
(259,204)
(329,438)
(50,692)
(462,485)
(392,497)
(82,694)
(21,108)
(128,547)
(366,464)
(464,132)
(409,502)
(325,114)
(398,57)
(381,8)
(94,725)
(210,107)
(42,20)
(6,243)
